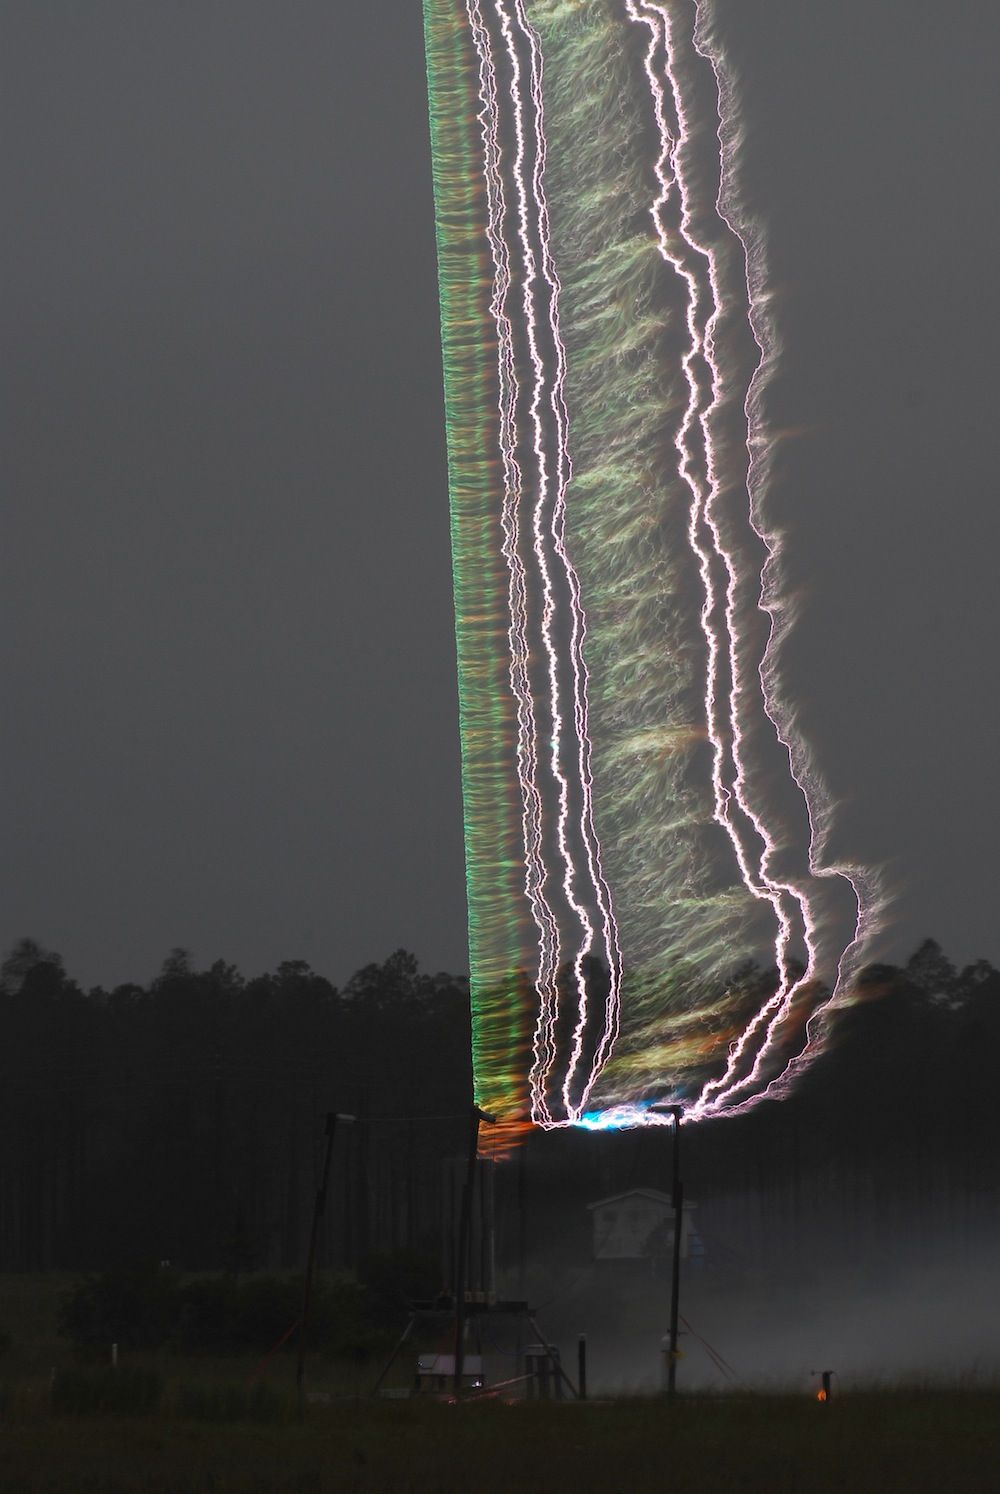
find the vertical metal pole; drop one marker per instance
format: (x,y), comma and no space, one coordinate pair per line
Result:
(484,1232)
(522,1253)
(318,1208)
(581,1367)
(551,1356)
(490,1284)
(522,1218)
(464,1234)
(362,1156)
(675,1278)
(461,1262)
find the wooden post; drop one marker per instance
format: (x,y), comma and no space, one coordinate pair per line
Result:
(464,1233)
(675,1276)
(319,1207)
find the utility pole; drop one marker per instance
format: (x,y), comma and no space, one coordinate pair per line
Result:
(677,1201)
(464,1232)
(522,1218)
(675,1275)
(319,1208)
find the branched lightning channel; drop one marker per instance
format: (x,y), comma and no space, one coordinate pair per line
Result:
(603,469)
(612,951)
(547,528)
(548,996)
(701,285)
(730,789)
(527,743)
(863,883)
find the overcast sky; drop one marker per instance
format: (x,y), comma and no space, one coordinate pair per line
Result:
(229,705)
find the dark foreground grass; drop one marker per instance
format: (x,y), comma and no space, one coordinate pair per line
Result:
(881,1443)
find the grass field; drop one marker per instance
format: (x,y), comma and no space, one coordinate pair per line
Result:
(878,1443)
(211,1431)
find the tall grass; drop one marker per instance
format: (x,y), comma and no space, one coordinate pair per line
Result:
(258,1402)
(129,1390)
(865,1444)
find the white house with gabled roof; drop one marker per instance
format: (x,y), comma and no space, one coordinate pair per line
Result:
(639,1225)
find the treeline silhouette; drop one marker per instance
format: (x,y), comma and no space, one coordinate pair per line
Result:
(183,1121)
(888,1146)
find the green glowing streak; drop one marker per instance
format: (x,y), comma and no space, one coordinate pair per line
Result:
(498,937)
(627,513)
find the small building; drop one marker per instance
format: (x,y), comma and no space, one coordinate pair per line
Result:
(436,1372)
(639,1225)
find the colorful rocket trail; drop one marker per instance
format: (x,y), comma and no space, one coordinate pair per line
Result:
(640,811)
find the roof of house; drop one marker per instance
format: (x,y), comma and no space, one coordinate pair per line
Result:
(651,1193)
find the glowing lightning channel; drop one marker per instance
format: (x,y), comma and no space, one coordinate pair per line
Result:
(547,533)
(722,718)
(588,834)
(548,994)
(864,884)
(730,790)
(712,255)
(527,743)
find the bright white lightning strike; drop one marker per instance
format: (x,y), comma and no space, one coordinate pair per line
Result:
(697,264)
(605,369)
(542,491)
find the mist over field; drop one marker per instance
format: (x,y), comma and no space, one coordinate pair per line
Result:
(881,1324)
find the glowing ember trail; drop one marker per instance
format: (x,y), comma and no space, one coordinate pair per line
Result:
(604,417)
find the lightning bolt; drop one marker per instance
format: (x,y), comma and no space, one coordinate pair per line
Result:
(515,574)
(696,261)
(540,414)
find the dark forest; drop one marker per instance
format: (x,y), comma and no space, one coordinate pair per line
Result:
(184,1121)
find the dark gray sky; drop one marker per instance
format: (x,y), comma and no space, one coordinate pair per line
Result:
(229,709)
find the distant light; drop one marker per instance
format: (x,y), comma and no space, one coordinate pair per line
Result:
(825,1391)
